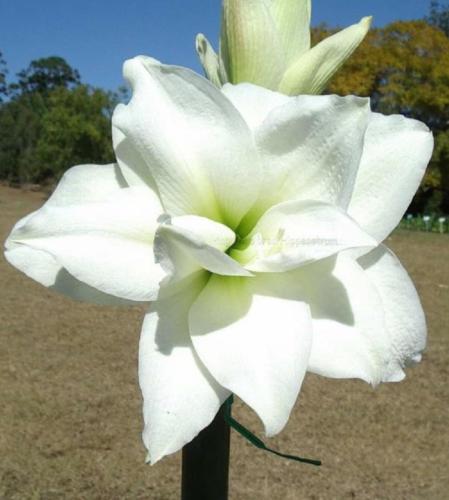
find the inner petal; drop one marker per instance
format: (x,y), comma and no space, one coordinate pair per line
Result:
(188,244)
(296,233)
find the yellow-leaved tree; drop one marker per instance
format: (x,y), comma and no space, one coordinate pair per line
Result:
(404,68)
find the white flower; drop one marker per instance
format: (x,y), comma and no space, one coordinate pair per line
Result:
(253,223)
(427,222)
(267,42)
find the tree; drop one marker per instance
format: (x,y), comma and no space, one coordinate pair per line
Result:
(52,122)
(438,177)
(46,74)
(439,16)
(75,129)
(3,73)
(20,125)
(44,135)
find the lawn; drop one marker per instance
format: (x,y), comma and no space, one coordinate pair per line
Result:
(70,417)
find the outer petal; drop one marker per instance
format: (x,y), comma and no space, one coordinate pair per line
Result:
(131,162)
(254,343)
(82,183)
(188,244)
(196,146)
(311,149)
(250,46)
(254,103)
(296,233)
(180,396)
(310,73)
(292,18)
(209,60)
(349,333)
(104,241)
(360,323)
(395,156)
(404,315)
(87,183)
(46,270)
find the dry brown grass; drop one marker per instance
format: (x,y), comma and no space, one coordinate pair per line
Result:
(70,416)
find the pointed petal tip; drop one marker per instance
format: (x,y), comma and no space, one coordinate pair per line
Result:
(272,429)
(201,43)
(310,73)
(153,458)
(209,60)
(367,21)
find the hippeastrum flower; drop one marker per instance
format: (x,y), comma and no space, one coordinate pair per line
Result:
(253,223)
(267,42)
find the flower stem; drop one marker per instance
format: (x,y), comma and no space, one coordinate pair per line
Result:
(205,462)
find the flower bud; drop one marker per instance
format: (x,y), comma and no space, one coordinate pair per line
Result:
(267,43)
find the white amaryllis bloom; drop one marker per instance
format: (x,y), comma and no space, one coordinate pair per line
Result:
(267,42)
(253,222)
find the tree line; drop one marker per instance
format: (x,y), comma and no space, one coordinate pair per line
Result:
(50,120)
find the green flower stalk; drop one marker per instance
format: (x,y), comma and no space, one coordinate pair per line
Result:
(267,43)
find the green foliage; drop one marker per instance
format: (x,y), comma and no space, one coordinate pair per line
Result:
(44,75)
(20,123)
(75,130)
(3,73)
(439,16)
(440,164)
(51,123)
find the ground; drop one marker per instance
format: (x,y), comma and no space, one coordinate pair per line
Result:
(70,417)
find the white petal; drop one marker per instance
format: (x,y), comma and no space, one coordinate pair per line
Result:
(395,156)
(404,315)
(310,73)
(87,183)
(360,324)
(295,233)
(102,239)
(197,228)
(209,60)
(195,144)
(311,149)
(132,165)
(250,45)
(180,396)
(187,244)
(348,321)
(46,270)
(292,18)
(254,103)
(84,183)
(254,343)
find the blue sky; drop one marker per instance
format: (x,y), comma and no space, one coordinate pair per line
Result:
(96,36)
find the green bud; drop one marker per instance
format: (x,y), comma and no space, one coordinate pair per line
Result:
(209,60)
(267,42)
(310,72)
(249,46)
